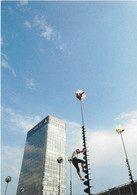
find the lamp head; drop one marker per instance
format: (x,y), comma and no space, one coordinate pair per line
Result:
(8,179)
(60,160)
(70,159)
(119,129)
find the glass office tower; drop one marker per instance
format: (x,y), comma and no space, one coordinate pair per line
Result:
(41,174)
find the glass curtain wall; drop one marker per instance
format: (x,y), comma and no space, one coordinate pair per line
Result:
(45,143)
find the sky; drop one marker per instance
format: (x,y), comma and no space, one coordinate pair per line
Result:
(49,50)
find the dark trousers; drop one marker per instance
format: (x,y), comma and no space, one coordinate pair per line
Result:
(75,162)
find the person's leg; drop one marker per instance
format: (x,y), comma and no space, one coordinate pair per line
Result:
(80,176)
(78,171)
(82,165)
(75,163)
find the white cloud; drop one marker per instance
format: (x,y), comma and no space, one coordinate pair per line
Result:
(27,24)
(129,123)
(19,121)
(107,157)
(31,84)
(11,158)
(106,148)
(5,64)
(4,56)
(129,115)
(22,5)
(106,145)
(46,31)
(73,137)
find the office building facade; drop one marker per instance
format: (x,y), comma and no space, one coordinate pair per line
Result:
(41,174)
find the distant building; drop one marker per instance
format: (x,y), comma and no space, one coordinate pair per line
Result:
(119,190)
(39,174)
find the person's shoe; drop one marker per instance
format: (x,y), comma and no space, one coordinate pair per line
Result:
(81,179)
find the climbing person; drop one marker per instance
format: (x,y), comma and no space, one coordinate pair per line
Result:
(75,162)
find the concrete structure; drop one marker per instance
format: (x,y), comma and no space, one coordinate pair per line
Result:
(124,189)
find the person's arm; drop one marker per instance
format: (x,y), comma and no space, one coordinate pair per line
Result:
(81,151)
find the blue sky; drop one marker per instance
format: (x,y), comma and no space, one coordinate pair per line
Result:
(49,50)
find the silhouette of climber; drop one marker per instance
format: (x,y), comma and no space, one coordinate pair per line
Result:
(76,161)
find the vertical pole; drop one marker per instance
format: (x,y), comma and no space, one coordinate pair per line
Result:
(59,160)
(82,113)
(6,188)
(59,181)
(8,179)
(70,179)
(123,146)
(129,170)
(70,160)
(81,95)
(87,183)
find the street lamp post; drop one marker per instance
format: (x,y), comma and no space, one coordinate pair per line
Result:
(59,160)
(81,95)
(70,160)
(8,179)
(119,130)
